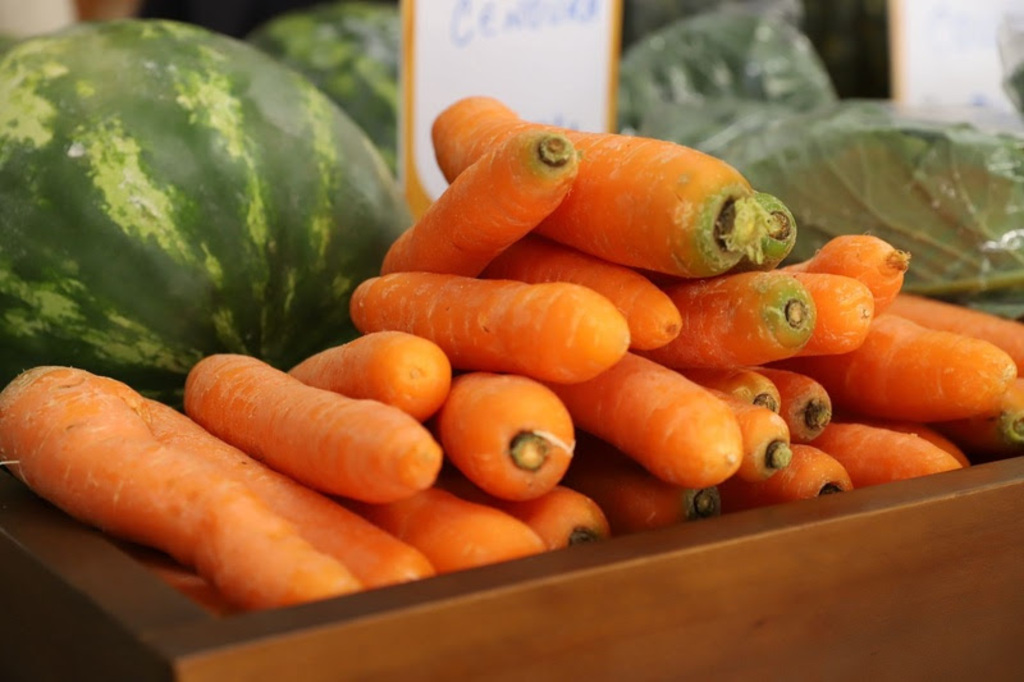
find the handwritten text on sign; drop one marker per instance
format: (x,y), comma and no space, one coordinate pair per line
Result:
(553,61)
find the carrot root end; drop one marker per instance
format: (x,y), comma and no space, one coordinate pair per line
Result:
(703,503)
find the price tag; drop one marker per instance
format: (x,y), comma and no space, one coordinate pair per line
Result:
(552,61)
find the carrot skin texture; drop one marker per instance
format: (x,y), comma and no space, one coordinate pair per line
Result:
(811,473)
(557,331)
(652,316)
(844,308)
(79,441)
(675,428)
(509,434)
(662,210)
(395,368)
(874,455)
(374,556)
(495,201)
(804,403)
(936,314)
(905,371)
(867,258)
(929,433)
(453,533)
(747,318)
(341,446)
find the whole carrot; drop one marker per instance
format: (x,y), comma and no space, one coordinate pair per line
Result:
(555,331)
(867,258)
(804,403)
(508,434)
(358,448)
(402,370)
(78,441)
(749,385)
(631,498)
(906,371)
(561,517)
(499,198)
(935,314)
(652,316)
(455,534)
(811,473)
(375,557)
(675,428)
(765,439)
(636,201)
(844,308)
(874,455)
(747,318)
(991,437)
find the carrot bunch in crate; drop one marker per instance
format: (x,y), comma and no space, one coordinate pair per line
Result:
(586,335)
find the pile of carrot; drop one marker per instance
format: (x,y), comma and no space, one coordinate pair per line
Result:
(585,335)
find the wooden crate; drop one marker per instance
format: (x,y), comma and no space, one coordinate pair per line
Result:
(917,580)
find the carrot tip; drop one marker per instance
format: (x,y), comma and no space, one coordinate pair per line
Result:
(830,489)
(777,455)
(817,415)
(582,535)
(555,150)
(767,400)
(529,450)
(703,503)
(741,227)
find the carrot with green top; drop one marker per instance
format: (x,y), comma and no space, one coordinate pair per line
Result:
(652,317)
(79,441)
(951,317)
(672,426)
(873,455)
(872,260)
(455,534)
(636,201)
(499,198)
(375,557)
(747,318)
(991,437)
(555,331)
(342,446)
(844,308)
(402,370)
(804,403)
(811,473)
(765,439)
(748,385)
(508,434)
(906,371)
(631,498)
(561,517)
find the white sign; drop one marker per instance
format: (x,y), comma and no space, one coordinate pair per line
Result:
(551,61)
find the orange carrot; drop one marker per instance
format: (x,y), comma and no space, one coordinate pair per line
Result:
(804,403)
(358,448)
(874,455)
(844,309)
(396,368)
(636,201)
(991,437)
(78,441)
(747,318)
(508,434)
(870,259)
(906,371)
(779,237)
(925,431)
(631,498)
(562,517)
(765,439)
(375,557)
(556,331)
(811,473)
(498,199)
(652,317)
(675,428)
(749,385)
(455,534)
(935,314)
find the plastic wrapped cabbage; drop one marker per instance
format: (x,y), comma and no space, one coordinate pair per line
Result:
(726,56)
(1011,52)
(950,193)
(640,17)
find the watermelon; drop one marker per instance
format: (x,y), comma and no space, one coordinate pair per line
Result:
(350,50)
(167,193)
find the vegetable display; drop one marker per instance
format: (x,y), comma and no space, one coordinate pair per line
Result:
(494,404)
